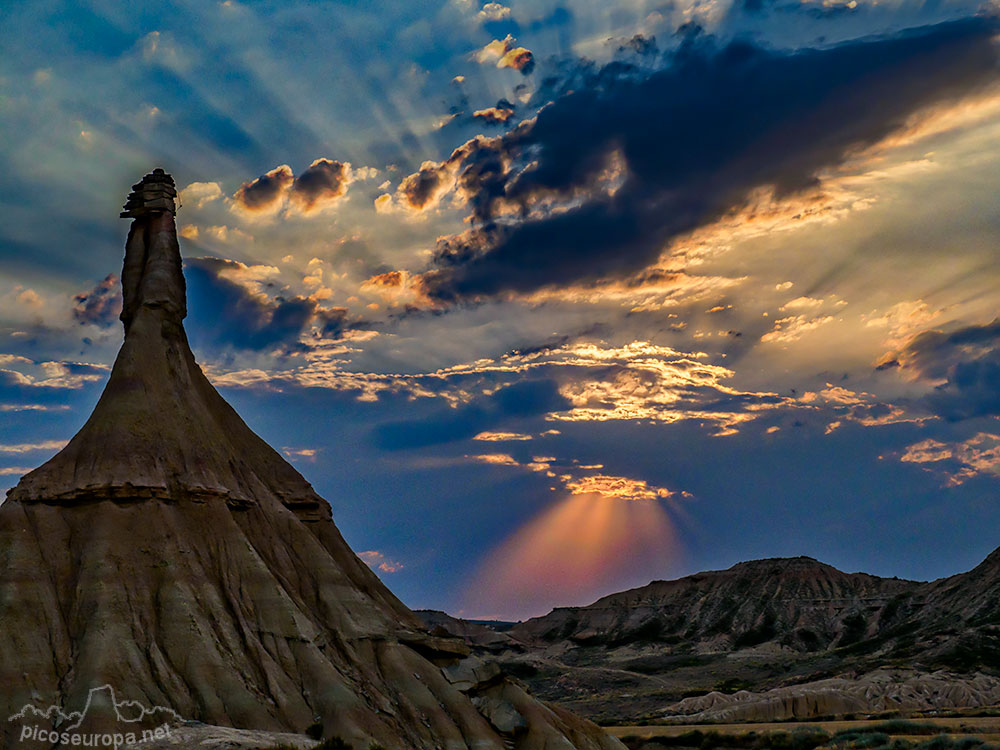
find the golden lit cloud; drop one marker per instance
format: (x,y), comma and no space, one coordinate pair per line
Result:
(902,320)
(637,381)
(496,437)
(45,445)
(264,195)
(794,327)
(959,461)
(494,115)
(622,488)
(198,194)
(375,559)
(308,454)
(496,459)
(505,54)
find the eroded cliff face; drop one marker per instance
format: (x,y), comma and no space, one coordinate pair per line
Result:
(762,640)
(168,551)
(801,602)
(879,692)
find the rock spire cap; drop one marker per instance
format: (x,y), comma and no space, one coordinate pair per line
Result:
(155,192)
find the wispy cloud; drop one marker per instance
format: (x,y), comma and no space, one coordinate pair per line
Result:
(45,445)
(957,461)
(375,559)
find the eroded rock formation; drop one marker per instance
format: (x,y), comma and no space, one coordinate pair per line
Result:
(760,640)
(879,692)
(170,552)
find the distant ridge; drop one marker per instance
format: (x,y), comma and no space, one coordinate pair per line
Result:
(756,626)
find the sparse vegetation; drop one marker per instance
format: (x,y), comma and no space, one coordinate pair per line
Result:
(888,735)
(804,738)
(334,743)
(903,726)
(733,685)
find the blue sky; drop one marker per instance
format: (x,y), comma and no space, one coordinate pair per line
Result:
(548,299)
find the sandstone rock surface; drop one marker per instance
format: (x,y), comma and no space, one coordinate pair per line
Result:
(170,552)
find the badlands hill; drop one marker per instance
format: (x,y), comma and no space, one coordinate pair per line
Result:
(765,640)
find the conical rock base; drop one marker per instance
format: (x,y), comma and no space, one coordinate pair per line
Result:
(171,553)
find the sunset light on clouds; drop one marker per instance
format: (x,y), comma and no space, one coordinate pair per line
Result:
(549,300)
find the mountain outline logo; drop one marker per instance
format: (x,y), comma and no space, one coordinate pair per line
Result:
(66,723)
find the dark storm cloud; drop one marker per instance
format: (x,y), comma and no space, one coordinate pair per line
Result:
(323,181)
(101,305)
(264,192)
(696,137)
(528,398)
(967,360)
(643,46)
(229,314)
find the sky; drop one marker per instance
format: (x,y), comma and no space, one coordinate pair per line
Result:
(549,299)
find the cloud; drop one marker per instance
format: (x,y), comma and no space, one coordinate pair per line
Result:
(901,320)
(497,437)
(266,193)
(497,115)
(396,288)
(375,559)
(423,190)
(496,459)
(489,399)
(26,374)
(33,407)
(963,365)
(101,305)
(309,454)
(495,50)
(579,382)
(494,12)
(217,233)
(198,194)
(959,461)
(519,58)
(622,488)
(45,445)
(505,54)
(856,406)
(388,280)
(28,297)
(321,184)
(578,480)
(232,312)
(793,328)
(694,140)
